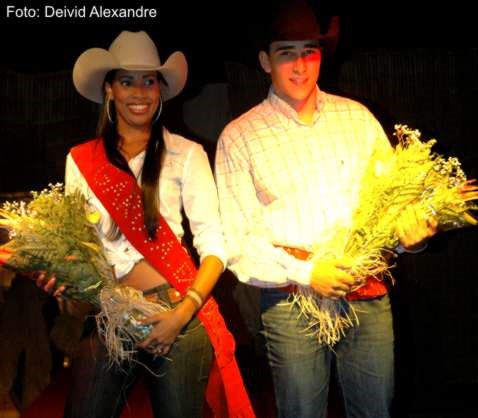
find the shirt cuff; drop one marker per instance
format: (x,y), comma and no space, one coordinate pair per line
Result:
(301,272)
(122,267)
(400,249)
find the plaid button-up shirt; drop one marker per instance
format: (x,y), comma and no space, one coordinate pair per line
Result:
(283,182)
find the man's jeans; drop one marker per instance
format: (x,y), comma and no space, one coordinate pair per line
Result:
(176,391)
(301,368)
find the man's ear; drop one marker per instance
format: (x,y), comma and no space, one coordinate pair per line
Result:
(265,61)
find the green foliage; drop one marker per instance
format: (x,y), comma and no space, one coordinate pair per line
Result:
(53,233)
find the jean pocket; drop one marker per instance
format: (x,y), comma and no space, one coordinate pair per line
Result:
(192,326)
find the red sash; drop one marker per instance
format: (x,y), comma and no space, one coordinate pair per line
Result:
(121,196)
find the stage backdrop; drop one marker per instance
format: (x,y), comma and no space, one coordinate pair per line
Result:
(434,90)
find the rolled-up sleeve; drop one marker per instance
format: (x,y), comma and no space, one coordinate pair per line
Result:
(252,256)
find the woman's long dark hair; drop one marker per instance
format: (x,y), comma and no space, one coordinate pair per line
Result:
(151,166)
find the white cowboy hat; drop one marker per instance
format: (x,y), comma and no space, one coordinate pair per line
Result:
(129,51)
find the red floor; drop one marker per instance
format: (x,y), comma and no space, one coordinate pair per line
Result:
(50,404)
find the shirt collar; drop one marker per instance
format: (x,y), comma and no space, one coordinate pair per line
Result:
(288,112)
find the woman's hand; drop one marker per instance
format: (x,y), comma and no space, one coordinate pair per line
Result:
(167,327)
(48,284)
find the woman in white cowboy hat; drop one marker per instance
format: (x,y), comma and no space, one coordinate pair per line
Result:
(139,177)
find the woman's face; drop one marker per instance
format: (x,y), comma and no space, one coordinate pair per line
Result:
(136,95)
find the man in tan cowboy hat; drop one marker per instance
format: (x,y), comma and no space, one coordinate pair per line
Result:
(288,173)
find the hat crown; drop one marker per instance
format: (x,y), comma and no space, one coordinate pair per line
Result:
(135,50)
(294,20)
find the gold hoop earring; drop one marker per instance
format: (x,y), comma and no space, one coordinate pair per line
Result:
(159,111)
(108,112)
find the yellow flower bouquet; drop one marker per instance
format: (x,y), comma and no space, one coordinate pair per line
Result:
(435,185)
(56,233)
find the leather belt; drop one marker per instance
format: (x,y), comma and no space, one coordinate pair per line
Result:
(163,293)
(373,288)
(291,288)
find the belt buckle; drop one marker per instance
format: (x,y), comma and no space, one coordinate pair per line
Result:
(152,297)
(173,295)
(169,295)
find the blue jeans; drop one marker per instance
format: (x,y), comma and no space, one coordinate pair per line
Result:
(177,390)
(301,368)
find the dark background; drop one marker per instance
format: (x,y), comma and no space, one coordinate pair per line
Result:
(210,32)
(410,66)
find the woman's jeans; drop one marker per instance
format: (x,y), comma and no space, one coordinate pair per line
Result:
(177,390)
(301,368)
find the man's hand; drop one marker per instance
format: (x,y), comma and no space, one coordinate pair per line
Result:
(414,227)
(332,278)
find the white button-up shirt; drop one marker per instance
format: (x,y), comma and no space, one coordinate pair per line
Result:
(186,181)
(284,182)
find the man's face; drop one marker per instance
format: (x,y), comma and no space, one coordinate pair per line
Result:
(294,68)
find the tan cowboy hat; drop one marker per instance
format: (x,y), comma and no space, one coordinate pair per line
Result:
(129,51)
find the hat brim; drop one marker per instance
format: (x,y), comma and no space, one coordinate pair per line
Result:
(175,72)
(92,66)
